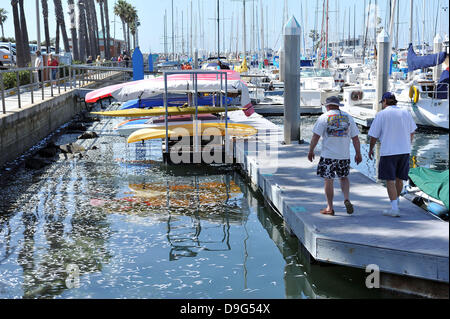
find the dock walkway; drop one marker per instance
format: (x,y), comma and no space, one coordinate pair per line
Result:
(415,244)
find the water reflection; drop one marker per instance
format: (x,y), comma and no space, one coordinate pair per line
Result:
(138,229)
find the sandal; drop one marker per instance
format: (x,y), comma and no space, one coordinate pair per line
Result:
(327,212)
(348,206)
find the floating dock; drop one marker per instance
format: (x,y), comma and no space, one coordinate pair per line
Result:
(278,109)
(411,251)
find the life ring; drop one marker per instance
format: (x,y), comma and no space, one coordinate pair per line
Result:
(414,94)
(356,95)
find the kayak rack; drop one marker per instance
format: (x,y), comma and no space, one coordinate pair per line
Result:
(192,91)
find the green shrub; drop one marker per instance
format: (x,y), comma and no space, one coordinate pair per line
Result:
(10,79)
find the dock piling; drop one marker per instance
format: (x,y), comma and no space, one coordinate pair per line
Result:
(291,44)
(437,47)
(383,61)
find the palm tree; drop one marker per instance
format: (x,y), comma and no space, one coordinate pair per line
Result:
(46,30)
(24,32)
(95,27)
(3,17)
(120,9)
(134,23)
(82,32)
(73,30)
(62,24)
(108,36)
(90,28)
(131,16)
(20,57)
(102,16)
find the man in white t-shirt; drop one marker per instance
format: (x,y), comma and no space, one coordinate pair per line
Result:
(39,64)
(336,128)
(395,128)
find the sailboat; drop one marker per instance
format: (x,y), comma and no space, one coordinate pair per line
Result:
(426,99)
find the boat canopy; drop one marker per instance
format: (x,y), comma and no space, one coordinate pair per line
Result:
(419,62)
(442,86)
(432,182)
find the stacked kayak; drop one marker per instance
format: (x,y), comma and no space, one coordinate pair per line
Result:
(173,110)
(129,126)
(202,129)
(177,100)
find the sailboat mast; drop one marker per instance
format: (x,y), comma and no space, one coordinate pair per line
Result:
(411,3)
(326,40)
(262,28)
(218,28)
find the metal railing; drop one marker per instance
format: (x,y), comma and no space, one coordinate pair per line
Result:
(16,82)
(222,91)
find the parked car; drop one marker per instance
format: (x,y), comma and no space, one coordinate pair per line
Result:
(6,58)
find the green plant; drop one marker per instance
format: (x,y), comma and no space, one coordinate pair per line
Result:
(10,79)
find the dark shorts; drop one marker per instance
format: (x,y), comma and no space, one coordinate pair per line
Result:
(393,167)
(330,168)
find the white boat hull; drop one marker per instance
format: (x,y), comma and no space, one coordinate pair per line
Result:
(428,112)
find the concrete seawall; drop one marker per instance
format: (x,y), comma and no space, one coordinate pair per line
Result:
(21,129)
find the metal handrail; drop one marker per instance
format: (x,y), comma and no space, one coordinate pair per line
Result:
(65,75)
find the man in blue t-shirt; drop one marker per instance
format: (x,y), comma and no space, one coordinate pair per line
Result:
(394,127)
(336,128)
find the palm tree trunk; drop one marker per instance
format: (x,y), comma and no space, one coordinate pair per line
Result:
(46,29)
(124,33)
(128,39)
(57,38)
(102,16)
(94,16)
(108,36)
(3,33)
(24,31)
(73,31)
(62,24)
(90,26)
(18,34)
(81,30)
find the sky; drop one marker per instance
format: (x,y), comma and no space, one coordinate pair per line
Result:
(151,14)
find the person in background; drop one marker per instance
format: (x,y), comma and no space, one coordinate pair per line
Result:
(336,128)
(52,62)
(126,58)
(39,64)
(89,60)
(98,61)
(394,127)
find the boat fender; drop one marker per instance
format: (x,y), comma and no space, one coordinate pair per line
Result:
(414,94)
(356,95)
(437,209)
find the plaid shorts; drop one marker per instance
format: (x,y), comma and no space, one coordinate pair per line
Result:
(329,168)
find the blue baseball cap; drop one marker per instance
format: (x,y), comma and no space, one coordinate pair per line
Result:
(387,96)
(333,100)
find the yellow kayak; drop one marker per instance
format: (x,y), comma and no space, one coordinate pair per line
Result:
(204,129)
(172,110)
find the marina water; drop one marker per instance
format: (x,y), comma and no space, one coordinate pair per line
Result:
(116,223)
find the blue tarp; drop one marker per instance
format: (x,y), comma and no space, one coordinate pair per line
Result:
(305,62)
(419,62)
(442,87)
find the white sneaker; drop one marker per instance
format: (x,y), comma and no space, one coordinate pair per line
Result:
(391,212)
